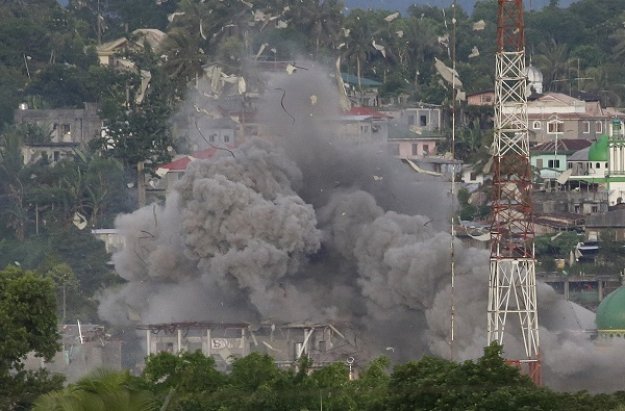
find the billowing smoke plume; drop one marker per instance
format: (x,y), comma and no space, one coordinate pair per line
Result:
(304,226)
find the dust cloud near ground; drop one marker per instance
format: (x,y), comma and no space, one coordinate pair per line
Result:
(308,226)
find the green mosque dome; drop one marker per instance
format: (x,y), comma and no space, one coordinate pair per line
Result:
(599,149)
(611,312)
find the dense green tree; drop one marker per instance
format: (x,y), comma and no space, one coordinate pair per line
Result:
(322,20)
(556,245)
(27,324)
(185,381)
(102,391)
(488,384)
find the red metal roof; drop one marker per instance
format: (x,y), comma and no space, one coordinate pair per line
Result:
(178,165)
(182,163)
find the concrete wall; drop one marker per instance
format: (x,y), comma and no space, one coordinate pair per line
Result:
(65,125)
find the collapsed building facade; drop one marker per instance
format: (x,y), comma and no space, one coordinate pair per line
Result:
(84,348)
(322,343)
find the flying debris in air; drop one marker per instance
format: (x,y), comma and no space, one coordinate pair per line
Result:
(79,220)
(261,49)
(474,52)
(479,25)
(391,17)
(379,48)
(172,16)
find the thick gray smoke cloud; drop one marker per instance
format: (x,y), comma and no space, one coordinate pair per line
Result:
(307,227)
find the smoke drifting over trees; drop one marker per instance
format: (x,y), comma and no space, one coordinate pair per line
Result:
(298,229)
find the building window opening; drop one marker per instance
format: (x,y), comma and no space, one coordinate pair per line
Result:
(555,127)
(423,121)
(415,149)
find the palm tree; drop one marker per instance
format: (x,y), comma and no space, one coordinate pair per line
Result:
(358,41)
(605,86)
(184,60)
(101,391)
(322,19)
(421,43)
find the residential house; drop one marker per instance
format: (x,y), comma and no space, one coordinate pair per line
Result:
(418,119)
(594,180)
(363,125)
(604,166)
(407,144)
(550,158)
(415,132)
(482,98)
(68,129)
(472,175)
(612,222)
(553,116)
(220,132)
(362,91)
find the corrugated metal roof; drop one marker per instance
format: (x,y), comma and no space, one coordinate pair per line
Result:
(365,82)
(563,146)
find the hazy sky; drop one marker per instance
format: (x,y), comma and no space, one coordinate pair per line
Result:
(402,5)
(467,5)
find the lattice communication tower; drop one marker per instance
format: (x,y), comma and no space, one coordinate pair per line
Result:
(512,281)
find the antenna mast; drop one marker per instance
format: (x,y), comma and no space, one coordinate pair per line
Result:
(512,280)
(452,297)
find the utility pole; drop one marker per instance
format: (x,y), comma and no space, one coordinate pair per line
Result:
(452,297)
(99,24)
(512,281)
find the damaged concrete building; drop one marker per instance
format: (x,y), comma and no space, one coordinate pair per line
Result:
(322,343)
(84,348)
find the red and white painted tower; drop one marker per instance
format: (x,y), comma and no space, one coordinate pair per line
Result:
(512,282)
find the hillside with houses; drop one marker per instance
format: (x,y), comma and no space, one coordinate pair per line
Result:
(337,124)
